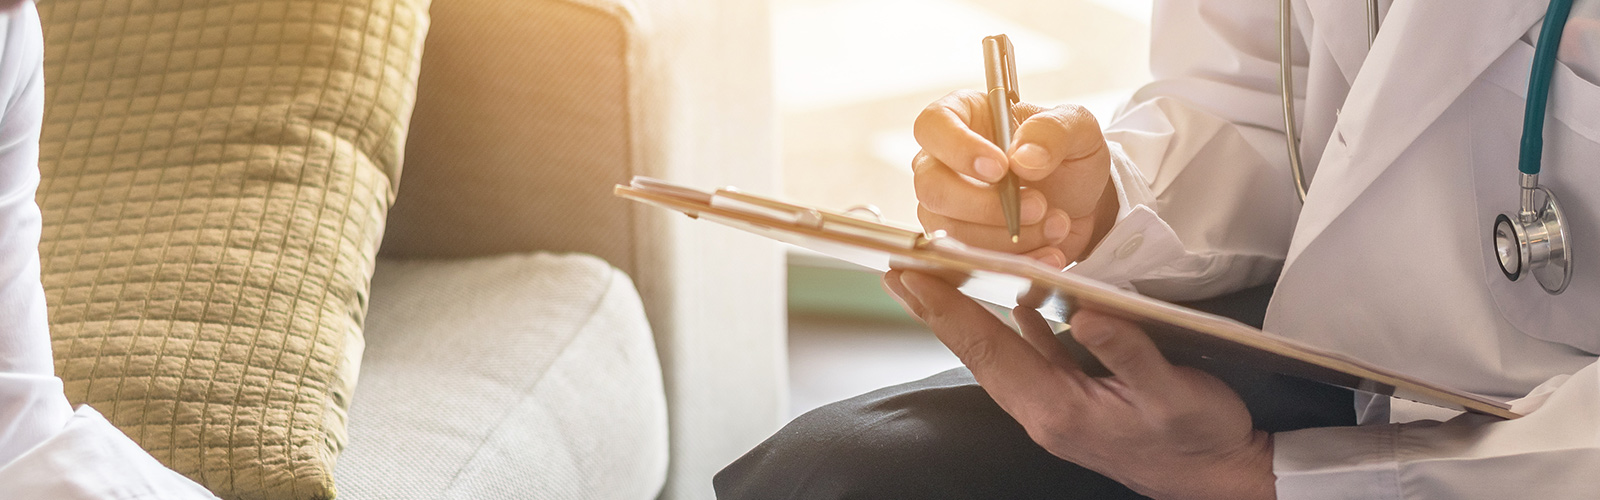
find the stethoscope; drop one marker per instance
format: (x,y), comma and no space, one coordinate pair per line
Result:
(1534,240)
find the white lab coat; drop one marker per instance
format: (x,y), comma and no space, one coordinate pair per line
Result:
(47,450)
(1412,148)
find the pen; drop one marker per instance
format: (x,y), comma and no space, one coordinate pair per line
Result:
(1000,72)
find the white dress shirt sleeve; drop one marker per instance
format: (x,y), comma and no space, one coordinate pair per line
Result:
(1551,453)
(46,449)
(1198,158)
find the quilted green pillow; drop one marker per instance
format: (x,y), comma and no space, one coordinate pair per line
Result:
(215,179)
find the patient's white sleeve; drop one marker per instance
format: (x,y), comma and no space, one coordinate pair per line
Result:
(29,412)
(46,449)
(83,457)
(1551,453)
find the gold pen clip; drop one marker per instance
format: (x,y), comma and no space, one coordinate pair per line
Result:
(1000,69)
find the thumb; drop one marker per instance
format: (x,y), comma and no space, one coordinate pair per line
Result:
(1062,152)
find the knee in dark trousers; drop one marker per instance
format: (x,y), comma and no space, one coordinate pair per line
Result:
(940,437)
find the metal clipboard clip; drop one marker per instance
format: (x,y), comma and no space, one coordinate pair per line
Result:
(833,223)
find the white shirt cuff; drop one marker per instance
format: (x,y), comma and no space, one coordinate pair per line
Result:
(1140,242)
(1337,463)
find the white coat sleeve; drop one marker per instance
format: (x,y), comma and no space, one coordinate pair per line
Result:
(1198,158)
(1551,453)
(46,449)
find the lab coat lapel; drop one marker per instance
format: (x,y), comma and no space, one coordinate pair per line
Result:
(1427,53)
(1340,20)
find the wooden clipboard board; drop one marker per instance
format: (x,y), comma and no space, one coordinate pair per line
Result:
(1007,280)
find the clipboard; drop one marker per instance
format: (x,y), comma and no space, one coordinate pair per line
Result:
(1007,280)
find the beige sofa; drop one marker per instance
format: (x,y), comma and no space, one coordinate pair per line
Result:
(489,373)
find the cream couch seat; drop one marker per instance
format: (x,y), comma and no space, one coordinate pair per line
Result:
(528,111)
(514,376)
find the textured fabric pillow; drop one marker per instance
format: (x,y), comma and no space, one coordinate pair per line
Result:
(215,179)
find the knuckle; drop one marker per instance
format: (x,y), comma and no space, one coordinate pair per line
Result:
(923,183)
(1118,353)
(921,162)
(935,115)
(1075,110)
(920,128)
(931,111)
(931,221)
(1168,417)
(1080,114)
(1162,416)
(1047,128)
(976,352)
(916,310)
(955,102)
(936,195)
(1068,115)
(1055,429)
(968,97)
(1025,109)
(1048,436)
(1060,117)
(1063,120)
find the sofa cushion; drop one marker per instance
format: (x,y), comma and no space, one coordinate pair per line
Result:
(215,176)
(516,376)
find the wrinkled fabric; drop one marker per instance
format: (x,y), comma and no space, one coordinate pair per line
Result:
(1411,150)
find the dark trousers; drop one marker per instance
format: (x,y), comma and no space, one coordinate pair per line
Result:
(942,437)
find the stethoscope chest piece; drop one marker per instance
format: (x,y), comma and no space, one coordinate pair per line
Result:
(1535,242)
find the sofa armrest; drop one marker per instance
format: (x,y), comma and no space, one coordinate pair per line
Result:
(528,111)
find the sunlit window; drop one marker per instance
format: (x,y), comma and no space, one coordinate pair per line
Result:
(851,76)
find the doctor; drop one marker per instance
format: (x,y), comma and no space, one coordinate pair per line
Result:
(1411,149)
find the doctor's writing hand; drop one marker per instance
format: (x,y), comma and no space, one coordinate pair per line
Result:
(1068,202)
(1167,432)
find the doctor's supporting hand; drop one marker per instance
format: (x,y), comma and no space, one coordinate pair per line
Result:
(1059,154)
(1167,432)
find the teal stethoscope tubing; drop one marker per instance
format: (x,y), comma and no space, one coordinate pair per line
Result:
(1544,64)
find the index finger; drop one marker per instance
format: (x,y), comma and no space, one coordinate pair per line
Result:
(945,130)
(1125,350)
(1007,367)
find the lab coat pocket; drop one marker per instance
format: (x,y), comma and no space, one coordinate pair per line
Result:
(1571,167)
